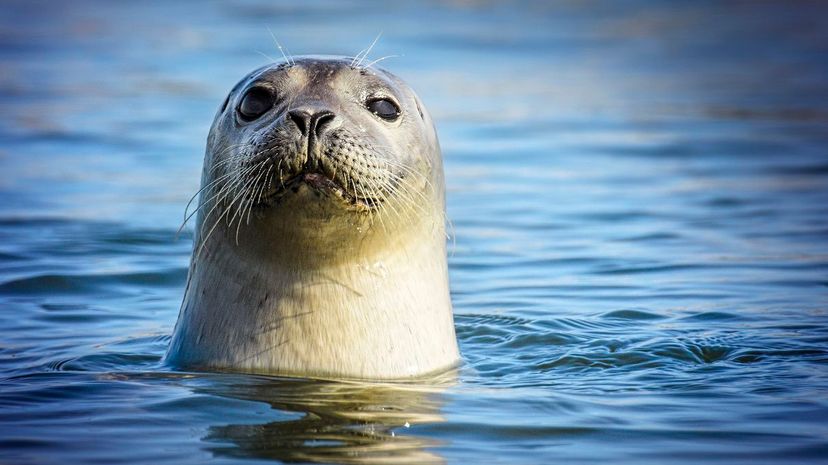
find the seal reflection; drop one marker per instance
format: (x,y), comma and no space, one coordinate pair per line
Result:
(341,422)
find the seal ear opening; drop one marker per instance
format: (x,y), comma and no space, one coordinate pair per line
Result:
(224,105)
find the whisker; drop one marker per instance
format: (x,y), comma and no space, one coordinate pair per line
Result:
(368,50)
(201,204)
(215,166)
(225,191)
(218,221)
(380,59)
(268,57)
(249,200)
(287,57)
(265,185)
(248,179)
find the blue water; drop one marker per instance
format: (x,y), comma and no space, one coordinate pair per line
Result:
(639,260)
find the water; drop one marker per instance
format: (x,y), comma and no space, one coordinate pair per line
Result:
(639,199)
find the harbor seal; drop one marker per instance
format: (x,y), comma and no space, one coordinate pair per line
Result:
(319,246)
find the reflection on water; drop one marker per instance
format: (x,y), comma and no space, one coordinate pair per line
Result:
(638,194)
(351,423)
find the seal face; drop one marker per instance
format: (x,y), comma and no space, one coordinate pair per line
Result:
(320,240)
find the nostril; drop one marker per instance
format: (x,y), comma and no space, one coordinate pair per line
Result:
(301,119)
(320,121)
(311,123)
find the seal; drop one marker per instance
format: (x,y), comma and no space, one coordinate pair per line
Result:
(319,244)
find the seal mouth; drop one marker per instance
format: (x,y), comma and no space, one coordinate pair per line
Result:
(321,184)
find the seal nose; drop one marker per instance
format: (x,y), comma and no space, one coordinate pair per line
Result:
(311,122)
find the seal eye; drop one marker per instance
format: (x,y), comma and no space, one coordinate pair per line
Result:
(255,103)
(384,108)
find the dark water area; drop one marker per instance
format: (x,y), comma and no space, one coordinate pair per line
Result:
(638,196)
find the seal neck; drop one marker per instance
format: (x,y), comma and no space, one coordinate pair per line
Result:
(384,315)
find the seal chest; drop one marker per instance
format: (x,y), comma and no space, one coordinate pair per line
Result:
(319,246)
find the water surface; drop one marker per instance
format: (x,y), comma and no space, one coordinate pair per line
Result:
(639,206)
